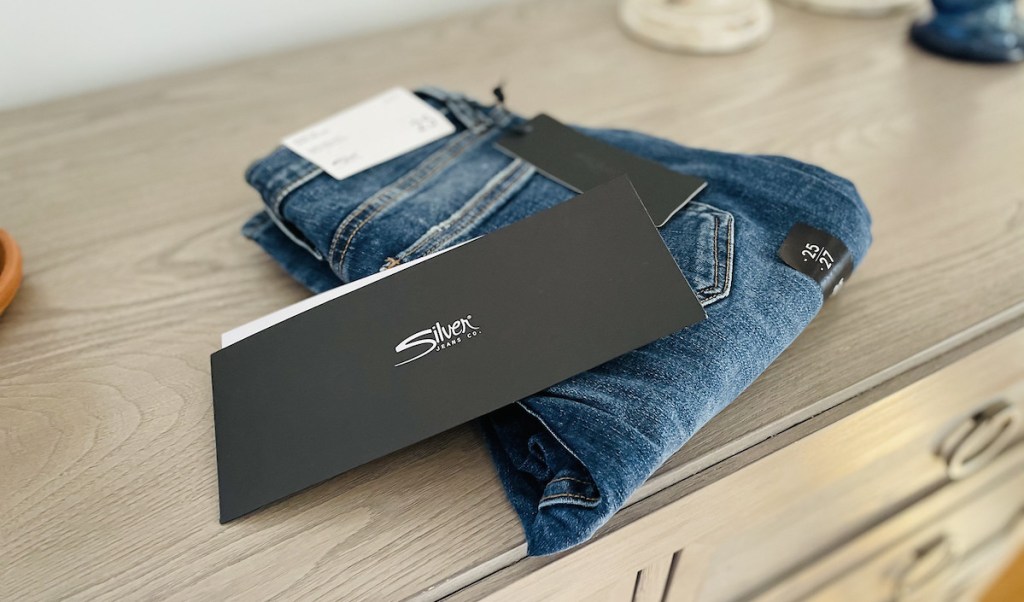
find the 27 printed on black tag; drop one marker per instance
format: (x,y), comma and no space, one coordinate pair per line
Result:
(819,255)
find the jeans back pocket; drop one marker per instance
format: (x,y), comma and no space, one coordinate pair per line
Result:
(701,239)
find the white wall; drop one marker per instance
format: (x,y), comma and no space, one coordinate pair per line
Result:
(54,48)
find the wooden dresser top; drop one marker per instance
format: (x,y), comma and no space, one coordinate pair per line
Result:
(128,203)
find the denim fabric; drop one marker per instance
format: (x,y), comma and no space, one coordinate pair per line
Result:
(570,456)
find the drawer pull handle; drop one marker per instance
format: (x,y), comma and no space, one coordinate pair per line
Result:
(929,561)
(979,439)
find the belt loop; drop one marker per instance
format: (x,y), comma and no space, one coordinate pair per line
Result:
(460,107)
(474,118)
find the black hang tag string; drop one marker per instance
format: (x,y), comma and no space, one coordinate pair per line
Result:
(509,124)
(819,255)
(499,94)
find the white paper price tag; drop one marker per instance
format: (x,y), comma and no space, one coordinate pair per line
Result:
(370,133)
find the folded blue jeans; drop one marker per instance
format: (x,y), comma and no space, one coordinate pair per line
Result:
(571,455)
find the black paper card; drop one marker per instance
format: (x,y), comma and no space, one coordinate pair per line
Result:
(441,343)
(581,163)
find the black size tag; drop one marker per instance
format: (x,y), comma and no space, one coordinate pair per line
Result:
(819,255)
(581,163)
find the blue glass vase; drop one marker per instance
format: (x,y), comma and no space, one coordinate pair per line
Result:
(974,30)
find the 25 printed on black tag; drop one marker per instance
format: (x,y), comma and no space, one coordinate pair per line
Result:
(819,255)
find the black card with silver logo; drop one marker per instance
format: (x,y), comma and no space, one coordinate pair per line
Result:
(440,343)
(581,163)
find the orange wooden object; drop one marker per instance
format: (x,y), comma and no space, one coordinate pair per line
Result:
(1009,587)
(10,269)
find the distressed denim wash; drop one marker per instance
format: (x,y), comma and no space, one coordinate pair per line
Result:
(570,456)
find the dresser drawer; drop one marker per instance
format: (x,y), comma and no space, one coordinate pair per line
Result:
(946,547)
(978,571)
(823,490)
(741,533)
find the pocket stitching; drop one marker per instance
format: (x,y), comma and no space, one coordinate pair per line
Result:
(430,237)
(477,208)
(721,285)
(499,195)
(390,195)
(394,193)
(728,267)
(714,253)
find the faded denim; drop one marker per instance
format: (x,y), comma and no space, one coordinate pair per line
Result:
(570,456)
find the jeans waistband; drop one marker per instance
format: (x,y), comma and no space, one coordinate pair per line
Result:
(282,172)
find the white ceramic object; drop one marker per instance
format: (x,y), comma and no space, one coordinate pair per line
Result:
(856,8)
(697,26)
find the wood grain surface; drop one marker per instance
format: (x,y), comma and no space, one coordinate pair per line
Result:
(127,205)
